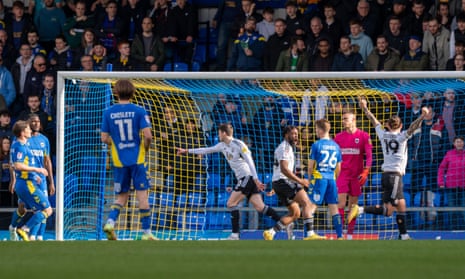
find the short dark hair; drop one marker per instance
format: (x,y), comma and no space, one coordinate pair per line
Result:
(226,128)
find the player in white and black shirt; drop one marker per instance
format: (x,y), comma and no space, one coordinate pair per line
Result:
(394,145)
(249,186)
(288,186)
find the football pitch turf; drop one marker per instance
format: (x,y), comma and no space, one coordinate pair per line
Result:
(233,259)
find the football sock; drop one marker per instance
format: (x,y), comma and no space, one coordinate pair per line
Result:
(16,218)
(341,213)
(337,223)
(145,218)
(400,219)
(308,225)
(235,219)
(376,210)
(269,211)
(114,212)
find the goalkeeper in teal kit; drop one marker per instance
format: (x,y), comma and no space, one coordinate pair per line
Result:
(121,127)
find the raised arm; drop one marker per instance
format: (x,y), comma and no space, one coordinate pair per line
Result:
(417,123)
(370,116)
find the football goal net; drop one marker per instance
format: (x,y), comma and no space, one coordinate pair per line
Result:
(189,193)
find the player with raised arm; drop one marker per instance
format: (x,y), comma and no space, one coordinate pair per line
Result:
(248,186)
(28,178)
(355,147)
(290,188)
(121,128)
(394,146)
(325,165)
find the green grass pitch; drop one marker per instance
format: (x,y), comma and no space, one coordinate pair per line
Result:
(233,259)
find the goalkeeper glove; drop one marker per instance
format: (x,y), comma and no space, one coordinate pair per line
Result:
(362,178)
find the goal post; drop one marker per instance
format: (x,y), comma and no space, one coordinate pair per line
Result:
(188,194)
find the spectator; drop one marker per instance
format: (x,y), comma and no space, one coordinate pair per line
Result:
(85,46)
(266,26)
(48,106)
(133,13)
(75,26)
(49,24)
(17,24)
(382,58)
(109,27)
(415,59)
(33,106)
(19,72)
(347,59)
(148,49)
(33,84)
(99,56)
(5,124)
(33,40)
(345,10)
(61,58)
(395,36)
(436,45)
(322,60)
(7,88)
(368,19)
(124,61)
(268,123)
(451,178)
(455,7)
(428,149)
(293,59)
(223,21)
(276,43)
(182,32)
(457,34)
(316,33)
(7,199)
(87,63)
(453,114)
(460,9)
(247,10)
(35,6)
(313,106)
(399,10)
(247,54)
(414,22)
(443,14)
(7,51)
(294,21)
(458,62)
(169,134)
(358,37)
(332,25)
(160,17)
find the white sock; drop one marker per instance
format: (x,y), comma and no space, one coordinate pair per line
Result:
(360,210)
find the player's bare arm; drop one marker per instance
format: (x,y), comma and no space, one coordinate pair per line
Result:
(147,138)
(370,116)
(283,164)
(105,138)
(180,151)
(417,123)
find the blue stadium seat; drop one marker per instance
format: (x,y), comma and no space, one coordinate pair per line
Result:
(180,67)
(200,53)
(194,221)
(214,181)
(218,221)
(407,199)
(211,199)
(153,199)
(169,181)
(195,200)
(373,198)
(181,201)
(223,198)
(195,66)
(376,179)
(407,180)
(166,200)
